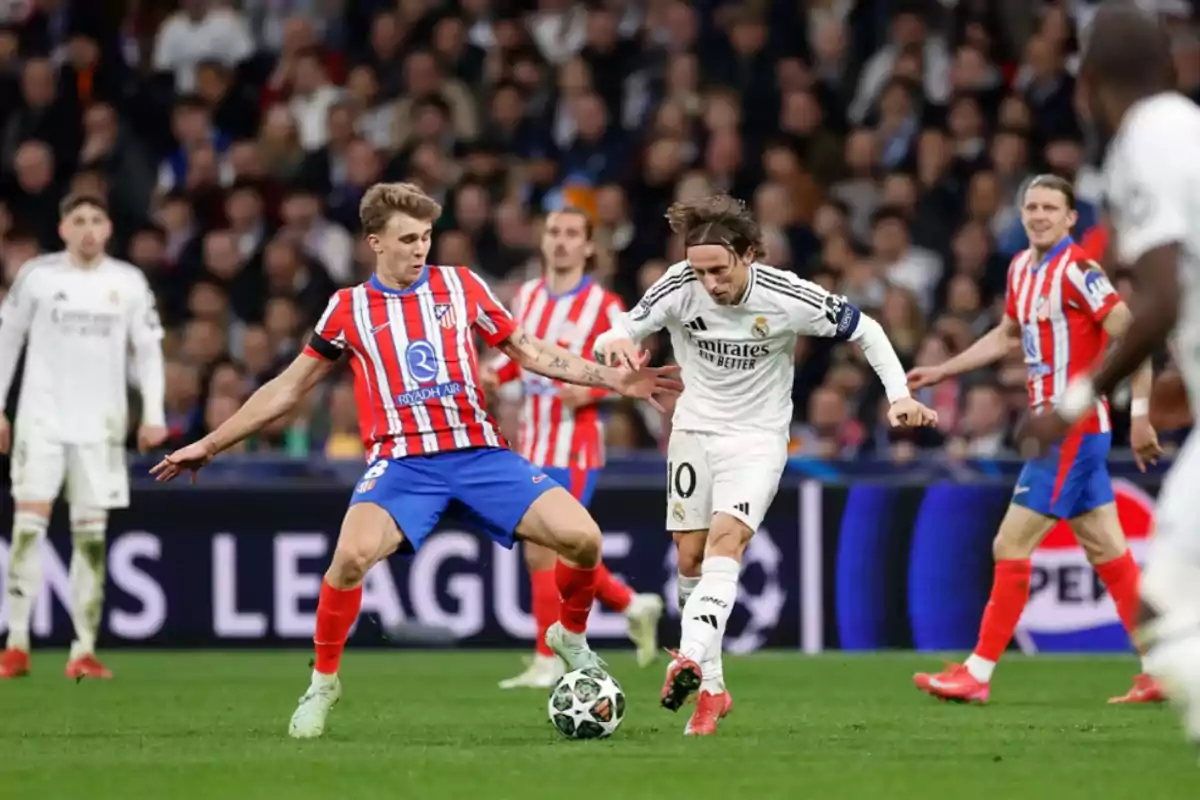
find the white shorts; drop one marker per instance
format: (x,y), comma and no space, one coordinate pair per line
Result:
(708,473)
(96,473)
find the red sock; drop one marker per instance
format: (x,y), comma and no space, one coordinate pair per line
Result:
(577,588)
(611,592)
(337,609)
(1121,576)
(545,602)
(1010,593)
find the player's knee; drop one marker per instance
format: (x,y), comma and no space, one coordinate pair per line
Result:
(727,537)
(1007,547)
(581,545)
(351,561)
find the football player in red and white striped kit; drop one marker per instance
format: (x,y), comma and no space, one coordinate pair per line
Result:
(561,431)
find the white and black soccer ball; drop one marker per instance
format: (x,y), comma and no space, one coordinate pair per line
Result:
(587,704)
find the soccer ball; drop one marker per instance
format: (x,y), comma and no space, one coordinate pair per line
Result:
(587,704)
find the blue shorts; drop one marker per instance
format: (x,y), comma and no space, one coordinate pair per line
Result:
(488,489)
(1069,480)
(581,483)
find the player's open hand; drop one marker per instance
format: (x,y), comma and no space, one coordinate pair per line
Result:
(644,382)
(192,458)
(908,413)
(150,437)
(622,353)
(1143,439)
(5,434)
(921,377)
(1036,434)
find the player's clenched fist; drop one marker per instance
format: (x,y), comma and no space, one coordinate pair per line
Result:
(908,413)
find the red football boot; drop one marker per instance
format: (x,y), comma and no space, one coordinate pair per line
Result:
(14,663)
(87,667)
(683,679)
(710,709)
(1144,690)
(953,683)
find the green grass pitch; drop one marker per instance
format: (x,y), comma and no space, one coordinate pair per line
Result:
(432,725)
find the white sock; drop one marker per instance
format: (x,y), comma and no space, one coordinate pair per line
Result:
(24,579)
(86,576)
(1169,584)
(980,668)
(684,586)
(707,610)
(321,679)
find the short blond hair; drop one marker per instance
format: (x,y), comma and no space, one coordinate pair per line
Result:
(386,199)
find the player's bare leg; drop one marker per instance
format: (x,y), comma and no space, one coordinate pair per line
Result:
(558,521)
(23,582)
(1099,534)
(368,535)
(86,576)
(1021,531)
(545,668)
(704,617)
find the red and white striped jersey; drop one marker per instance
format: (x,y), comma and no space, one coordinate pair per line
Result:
(552,434)
(416,369)
(1060,303)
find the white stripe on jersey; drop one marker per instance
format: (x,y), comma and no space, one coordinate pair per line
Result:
(398,334)
(458,296)
(545,407)
(387,397)
(1058,325)
(432,327)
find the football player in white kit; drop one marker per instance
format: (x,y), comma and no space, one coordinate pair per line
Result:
(81,311)
(733,324)
(1152,170)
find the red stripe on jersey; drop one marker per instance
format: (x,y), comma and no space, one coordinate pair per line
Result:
(1060,305)
(456,370)
(552,434)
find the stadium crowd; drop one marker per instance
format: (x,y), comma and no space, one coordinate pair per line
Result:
(882,144)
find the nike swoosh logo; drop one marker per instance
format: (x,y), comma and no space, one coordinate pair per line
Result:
(1021,490)
(378,328)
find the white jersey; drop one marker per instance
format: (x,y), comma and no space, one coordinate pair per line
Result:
(1153,176)
(736,361)
(81,323)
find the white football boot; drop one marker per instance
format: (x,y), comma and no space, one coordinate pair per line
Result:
(642,616)
(541,672)
(309,720)
(572,648)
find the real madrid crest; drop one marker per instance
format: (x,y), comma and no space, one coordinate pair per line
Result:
(677,511)
(759,329)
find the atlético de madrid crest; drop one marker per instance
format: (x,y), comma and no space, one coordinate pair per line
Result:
(445,315)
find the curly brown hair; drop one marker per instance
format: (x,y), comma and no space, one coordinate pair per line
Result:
(719,219)
(383,200)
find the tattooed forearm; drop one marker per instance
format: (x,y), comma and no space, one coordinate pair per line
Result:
(555,362)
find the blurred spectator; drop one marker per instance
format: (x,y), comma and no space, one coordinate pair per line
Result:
(883,146)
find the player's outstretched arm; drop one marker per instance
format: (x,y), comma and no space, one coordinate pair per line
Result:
(878,350)
(643,382)
(274,399)
(987,349)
